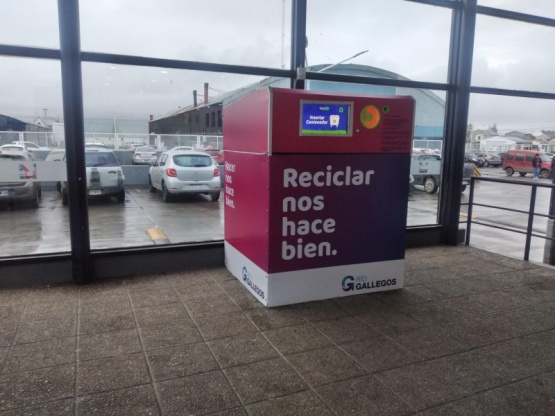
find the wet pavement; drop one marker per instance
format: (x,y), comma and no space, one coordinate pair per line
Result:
(472,333)
(145,220)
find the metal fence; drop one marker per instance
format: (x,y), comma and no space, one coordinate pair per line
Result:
(115,140)
(531,212)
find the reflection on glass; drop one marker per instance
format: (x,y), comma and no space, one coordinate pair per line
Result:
(136,114)
(511,61)
(542,8)
(243,32)
(30,23)
(32,220)
(408,39)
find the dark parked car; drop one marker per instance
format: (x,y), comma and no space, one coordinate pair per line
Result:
(490,159)
(474,158)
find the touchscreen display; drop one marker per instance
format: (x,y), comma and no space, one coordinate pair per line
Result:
(321,118)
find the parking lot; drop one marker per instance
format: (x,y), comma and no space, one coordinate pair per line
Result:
(144,220)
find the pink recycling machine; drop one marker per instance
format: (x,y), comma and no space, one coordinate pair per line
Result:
(316,189)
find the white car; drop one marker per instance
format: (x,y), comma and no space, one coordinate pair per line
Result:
(104,176)
(185,172)
(30,146)
(144,155)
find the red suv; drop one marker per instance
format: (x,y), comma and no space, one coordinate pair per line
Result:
(217,154)
(521,161)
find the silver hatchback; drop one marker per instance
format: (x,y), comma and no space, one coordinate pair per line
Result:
(185,172)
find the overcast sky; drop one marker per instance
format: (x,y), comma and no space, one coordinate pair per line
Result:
(406,38)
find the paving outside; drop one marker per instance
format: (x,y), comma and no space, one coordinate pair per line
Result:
(472,333)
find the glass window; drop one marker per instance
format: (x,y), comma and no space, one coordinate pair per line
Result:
(30,23)
(381,38)
(242,32)
(508,118)
(32,220)
(125,105)
(542,8)
(517,60)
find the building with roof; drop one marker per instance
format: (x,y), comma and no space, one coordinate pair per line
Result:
(206,118)
(504,143)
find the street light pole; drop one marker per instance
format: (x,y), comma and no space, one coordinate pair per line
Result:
(340,62)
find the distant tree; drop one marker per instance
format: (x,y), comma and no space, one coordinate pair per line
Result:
(494,128)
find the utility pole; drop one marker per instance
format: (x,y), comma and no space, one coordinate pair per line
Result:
(44,109)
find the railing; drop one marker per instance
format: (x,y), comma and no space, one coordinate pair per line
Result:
(531,211)
(115,140)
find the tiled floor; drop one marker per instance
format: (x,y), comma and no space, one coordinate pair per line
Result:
(472,333)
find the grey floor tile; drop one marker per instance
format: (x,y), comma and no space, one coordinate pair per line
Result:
(111,373)
(264,380)
(319,310)
(471,333)
(110,303)
(169,334)
(305,403)
(361,397)
(512,323)
(51,310)
(245,301)
(3,355)
(379,354)
(431,383)
(139,401)
(56,293)
(147,282)
(238,411)
(325,365)
(429,342)
(29,388)
(8,330)
(148,298)
(345,329)
(44,329)
(181,361)
(106,322)
(533,396)
(432,313)
(58,408)
(218,305)
(41,354)
(11,296)
(156,315)
(9,312)
(356,304)
(222,326)
(108,344)
(205,288)
(390,320)
(221,274)
(297,338)
(465,306)
(410,295)
(232,286)
(188,395)
(240,350)
(274,318)
(524,357)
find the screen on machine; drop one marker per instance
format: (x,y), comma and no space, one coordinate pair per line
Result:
(326,118)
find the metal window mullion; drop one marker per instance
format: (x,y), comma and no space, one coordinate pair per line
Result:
(72,93)
(456,117)
(298,40)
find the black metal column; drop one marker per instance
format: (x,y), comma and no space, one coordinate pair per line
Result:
(72,90)
(298,42)
(458,98)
